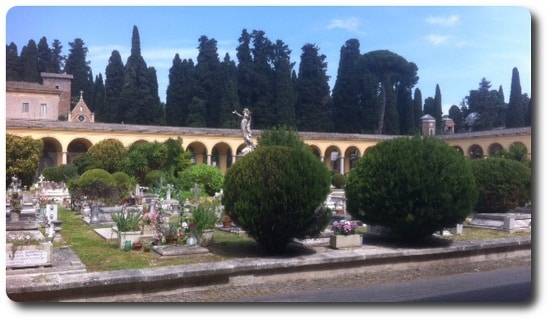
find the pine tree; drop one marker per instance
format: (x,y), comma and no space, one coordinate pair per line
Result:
(515,113)
(114,82)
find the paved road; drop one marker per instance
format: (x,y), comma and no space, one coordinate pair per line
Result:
(251,293)
(508,285)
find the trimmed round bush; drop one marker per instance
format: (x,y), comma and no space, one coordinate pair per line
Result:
(208,177)
(502,184)
(413,186)
(275,194)
(96,184)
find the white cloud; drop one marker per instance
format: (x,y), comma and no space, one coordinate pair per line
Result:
(437,40)
(449,21)
(350,24)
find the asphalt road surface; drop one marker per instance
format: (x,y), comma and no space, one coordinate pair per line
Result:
(509,285)
(425,285)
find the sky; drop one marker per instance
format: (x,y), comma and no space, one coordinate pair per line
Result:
(453,46)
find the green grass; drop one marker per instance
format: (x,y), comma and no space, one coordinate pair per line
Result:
(98,254)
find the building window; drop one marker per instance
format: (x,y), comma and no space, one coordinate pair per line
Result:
(25,107)
(43,108)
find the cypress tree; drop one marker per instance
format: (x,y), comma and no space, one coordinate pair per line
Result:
(12,61)
(77,66)
(283,87)
(417,103)
(175,102)
(438,109)
(245,85)
(406,110)
(58,60)
(28,63)
(99,98)
(114,82)
(208,84)
(515,114)
(138,101)
(45,57)
(313,92)
(346,90)
(229,100)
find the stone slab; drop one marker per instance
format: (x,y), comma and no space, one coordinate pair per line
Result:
(179,250)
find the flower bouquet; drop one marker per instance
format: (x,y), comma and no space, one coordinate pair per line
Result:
(344,227)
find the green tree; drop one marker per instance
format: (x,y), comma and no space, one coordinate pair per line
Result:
(413,186)
(114,82)
(417,105)
(209,178)
(138,100)
(229,100)
(12,62)
(58,60)
(515,113)
(28,63)
(108,154)
(45,56)
(98,185)
(208,82)
(176,101)
(487,104)
(347,107)
(389,70)
(61,173)
(77,66)
(275,193)
(22,158)
(283,86)
(99,98)
(313,101)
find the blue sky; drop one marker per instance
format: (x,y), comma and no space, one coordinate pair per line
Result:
(452,46)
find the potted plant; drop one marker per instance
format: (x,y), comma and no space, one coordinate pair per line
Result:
(344,235)
(127,225)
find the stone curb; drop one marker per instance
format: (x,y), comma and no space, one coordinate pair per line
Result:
(71,286)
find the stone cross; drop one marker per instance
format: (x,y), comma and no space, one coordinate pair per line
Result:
(168,191)
(196,191)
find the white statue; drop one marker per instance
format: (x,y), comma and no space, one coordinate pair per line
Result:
(245,129)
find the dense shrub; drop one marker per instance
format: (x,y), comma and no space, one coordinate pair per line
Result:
(209,178)
(108,154)
(62,173)
(413,186)
(124,183)
(338,180)
(275,194)
(502,184)
(153,177)
(96,184)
